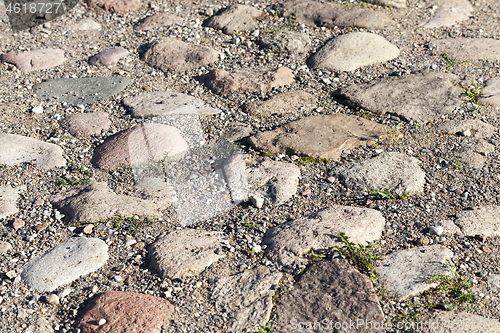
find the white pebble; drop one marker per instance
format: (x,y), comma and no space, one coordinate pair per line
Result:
(38,109)
(436,230)
(101,322)
(65,292)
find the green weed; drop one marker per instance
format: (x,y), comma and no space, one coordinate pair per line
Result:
(267,153)
(454,285)
(317,255)
(471,95)
(393,134)
(73,181)
(364,257)
(248,225)
(265,328)
(458,163)
(389,195)
(450,62)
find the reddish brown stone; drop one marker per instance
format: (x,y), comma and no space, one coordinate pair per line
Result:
(125,312)
(113,6)
(86,124)
(35,60)
(41,227)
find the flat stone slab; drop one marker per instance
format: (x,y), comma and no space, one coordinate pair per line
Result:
(473,152)
(236,131)
(163,103)
(86,124)
(183,253)
(333,15)
(8,200)
(285,42)
(113,6)
(330,291)
(108,56)
(287,243)
(247,80)
(139,146)
(234,18)
(420,97)
(323,136)
(491,92)
(352,51)
(96,202)
(477,128)
(407,272)
(35,60)
(175,55)
(65,263)
(483,220)
(389,3)
(41,325)
(456,322)
(275,180)
(85,90)
(294,101)
(464,49)
(157,21)
(247,298)
(17,149)
(125,312)
(395,172)
(449,12)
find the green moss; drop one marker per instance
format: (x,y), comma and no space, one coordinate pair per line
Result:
(304,160)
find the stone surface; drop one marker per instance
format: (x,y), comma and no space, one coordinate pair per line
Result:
(464,49)
(419,97)
(140,145)
(164,103)
(285,41)
(456,322)
(234,169)
(183,253)
(323,136)
(484,220)
(331,290)
(275,180)
(174,55)
(352,51)
(389,3)
(35,60)
(491,92)
(449,12)
(157,21)
(86,24)
(394,172)
(478,129)
(86,124)
(247,80)
(494,282)
(96,201)
(8,200)
(406,272)
(293,101)
(65,263)
(125,312)
(235,132)
(234,18)
(85,90)
(41,325)
(246,298)
(287,243)
(108,56)
(333,15)
(17,149)
(5,246)
(113,6)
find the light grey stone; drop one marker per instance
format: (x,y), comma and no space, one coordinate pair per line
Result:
(323,136)
(5,247)
(449,12)
(464,49)
(419,97)
(352,51)
(491,92)
(183,253)
(472,152)
(394,172)
(407,272)
(437,230)
(8,200)
(96,201)
(456,322)
(331,290)
(65,263)
(275,180)
(234,18)
(236,178)
(108,56)
(235,132)
(287,243)
(285,41)
(157,21)
(478,129)
(494,282)
(86,24)
(84,90)
(483,220)
(389,3)
(246,298)
(164,103)
(17,149)
(450,228)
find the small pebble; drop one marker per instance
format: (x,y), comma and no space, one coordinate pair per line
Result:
(18,224)
(438,231)
(38,109)
(65,292)
(52,299)
(88,229)
(258,202)
(101,322)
